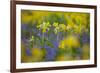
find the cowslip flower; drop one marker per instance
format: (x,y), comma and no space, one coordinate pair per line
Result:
(44,26)
(63,27)
(56,27)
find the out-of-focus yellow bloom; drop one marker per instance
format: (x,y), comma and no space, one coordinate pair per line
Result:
(36,52)
(64,58)
(70,41)
(69,27)
(70,23)
(25,17)
(86,51)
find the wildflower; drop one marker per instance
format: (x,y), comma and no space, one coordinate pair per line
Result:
(63,27)
(50,53)
(44,26)
(25,17)
(56,29)
(85,38)
(37,54)
(55,24)
(69,27)
(28,52)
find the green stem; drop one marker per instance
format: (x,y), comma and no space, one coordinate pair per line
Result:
(43,39)
(58,37)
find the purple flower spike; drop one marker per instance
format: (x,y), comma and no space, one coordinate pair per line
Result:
(85,38)
(24,26)
(51,53)
(55,44)
(28,52)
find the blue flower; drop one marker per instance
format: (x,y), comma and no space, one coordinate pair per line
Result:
(27,28)
(55,43)
(24,26)
(50,53)
(28,52)
(85,38)
(38,34)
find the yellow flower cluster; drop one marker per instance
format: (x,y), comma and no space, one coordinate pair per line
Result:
(44,26)
(56,30)
(37,54)
(63,27)
(59,27)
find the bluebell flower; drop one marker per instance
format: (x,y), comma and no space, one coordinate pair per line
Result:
(55,43)
(24,27)
(85,38)
(39,34)
(50,53)
(27,27)
(28,52)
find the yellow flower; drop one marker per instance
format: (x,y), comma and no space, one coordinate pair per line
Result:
(25,17)
(68,27)
(63,27)
(55,24)
(37,52)
(78,28)
(44,26)
(44,30)
(56,30)
(70,41)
